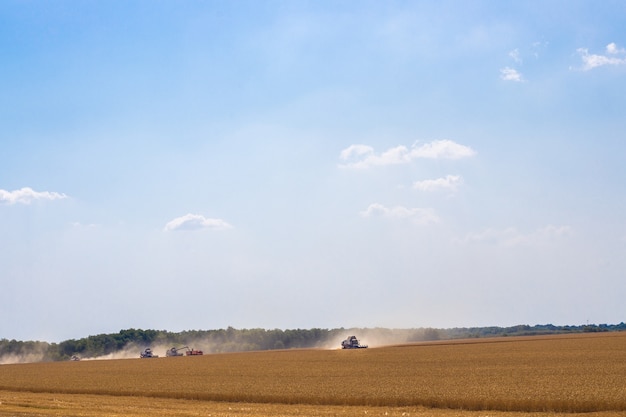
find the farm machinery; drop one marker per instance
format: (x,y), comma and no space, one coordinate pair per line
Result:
(192,352)
(147,353)
(174,351)
(189,352)
(352,343)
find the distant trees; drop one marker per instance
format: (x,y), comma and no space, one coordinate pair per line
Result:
(18,351)
(104,344)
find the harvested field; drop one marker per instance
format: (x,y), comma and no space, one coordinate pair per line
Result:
(24,404)
(557,374)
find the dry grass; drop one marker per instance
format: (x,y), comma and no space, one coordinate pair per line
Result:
(559,374)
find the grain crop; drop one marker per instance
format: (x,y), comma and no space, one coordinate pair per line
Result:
(564,374)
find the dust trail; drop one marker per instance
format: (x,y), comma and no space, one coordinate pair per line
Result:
(11,358)
(128,352)
(378,337)
(159,349)
(132,351)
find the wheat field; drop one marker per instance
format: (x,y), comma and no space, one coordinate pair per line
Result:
(545,375)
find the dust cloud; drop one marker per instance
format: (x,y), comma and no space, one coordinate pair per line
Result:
(129,352)
(378,337)
(134,351)
(12,358)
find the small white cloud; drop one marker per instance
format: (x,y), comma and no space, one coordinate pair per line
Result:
(613,49)
(591,61)
(363,156)
(449,182)
(27,195)
(421,216)
(512,237)
(516,55)
(511,74)
(195,222)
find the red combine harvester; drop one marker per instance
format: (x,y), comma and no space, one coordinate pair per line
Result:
(191,352)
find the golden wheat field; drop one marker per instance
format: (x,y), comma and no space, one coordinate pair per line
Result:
(548,375)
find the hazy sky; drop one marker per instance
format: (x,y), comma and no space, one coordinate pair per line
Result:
(289,164)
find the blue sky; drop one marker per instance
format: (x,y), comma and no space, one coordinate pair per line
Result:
(291,164)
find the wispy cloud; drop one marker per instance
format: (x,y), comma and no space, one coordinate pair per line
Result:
(363,156)
(421,216)
(449,182)
(195,222)
(512,237)
(515,55)
(613,55)
(538,48)
(27,195)
(511,74)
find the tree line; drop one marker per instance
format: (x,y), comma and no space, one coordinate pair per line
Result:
(238,340)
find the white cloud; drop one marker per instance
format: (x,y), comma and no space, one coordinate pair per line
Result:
(613,49)
(511,74)
(195,222)
(591,61)
(27,195)
(442,149)
(416,215)
(449,182)
(513,237)
(356,150)
(516,55)
(363,156)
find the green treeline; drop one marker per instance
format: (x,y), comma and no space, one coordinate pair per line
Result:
(211,341)
(236,340)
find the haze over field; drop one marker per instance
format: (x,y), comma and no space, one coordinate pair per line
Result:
(277,164)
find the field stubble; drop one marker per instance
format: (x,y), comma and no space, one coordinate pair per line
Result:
(557,374)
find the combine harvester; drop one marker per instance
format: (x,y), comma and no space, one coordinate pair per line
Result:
(147,354)
(189,352)
(174,352)
(352,343)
